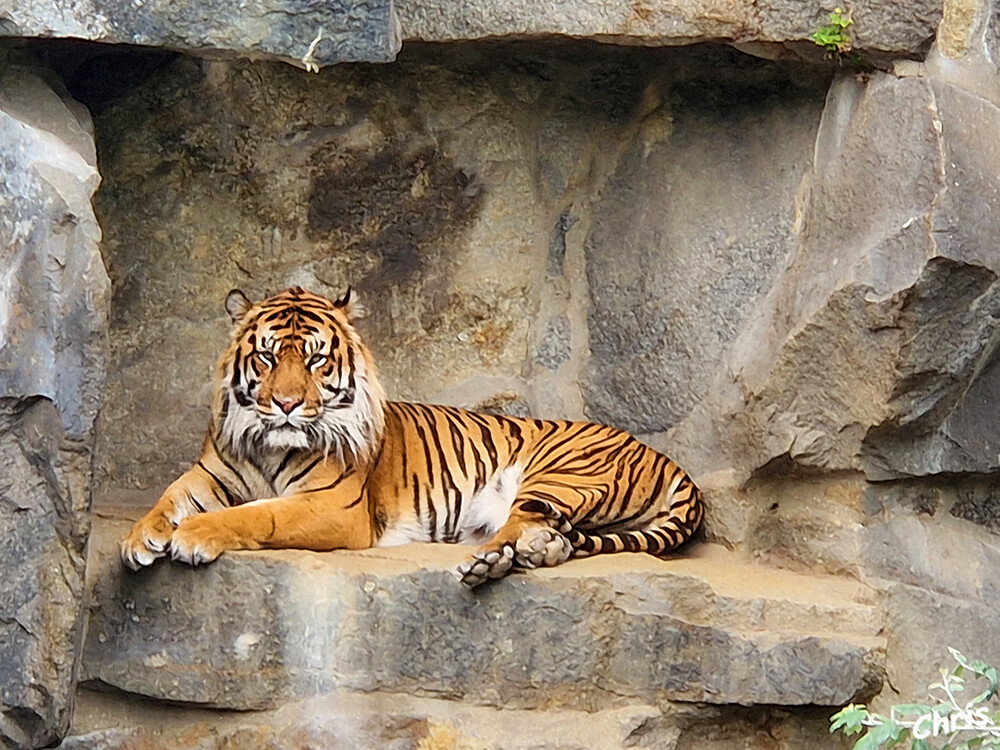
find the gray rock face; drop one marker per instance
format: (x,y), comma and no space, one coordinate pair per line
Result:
(53,349)
(887,26)
(585,635)
(873,350)
(688,237)
(305,33)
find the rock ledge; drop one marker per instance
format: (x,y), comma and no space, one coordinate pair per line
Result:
(592,633)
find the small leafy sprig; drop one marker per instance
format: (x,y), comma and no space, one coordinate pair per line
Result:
(834,37)
(945,724)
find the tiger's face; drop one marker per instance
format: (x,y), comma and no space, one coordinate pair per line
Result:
(296,376)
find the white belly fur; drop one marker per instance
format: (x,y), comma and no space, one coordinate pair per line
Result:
(480,519)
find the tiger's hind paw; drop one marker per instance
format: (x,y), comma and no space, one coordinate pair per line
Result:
(542,547)
(484,565)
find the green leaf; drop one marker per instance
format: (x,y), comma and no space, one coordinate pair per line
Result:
(917,709)
(849,718)
(920,745)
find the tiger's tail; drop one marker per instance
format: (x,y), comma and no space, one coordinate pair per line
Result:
(660,537)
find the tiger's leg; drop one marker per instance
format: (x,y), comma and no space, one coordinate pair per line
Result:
(309,520)
(195,491)
(532,537)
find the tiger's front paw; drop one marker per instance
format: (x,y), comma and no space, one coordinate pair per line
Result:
(200,539)
(148,541)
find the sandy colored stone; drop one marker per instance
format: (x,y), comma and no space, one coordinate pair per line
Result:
(959,21)
(345,721)
(287,625)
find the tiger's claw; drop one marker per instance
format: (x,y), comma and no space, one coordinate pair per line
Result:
(484,565)
(148,541)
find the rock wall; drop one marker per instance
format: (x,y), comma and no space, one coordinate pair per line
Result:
(488,217)
(54,296)
(778,269)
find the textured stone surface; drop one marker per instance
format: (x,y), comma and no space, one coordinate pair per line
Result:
(53,348)
(370,30)
(680,235)
(322,181)
(346,721)
(320,33)
(803,290)
(630,628)
(455,191)
(873,350)
(889,26)
(922,624)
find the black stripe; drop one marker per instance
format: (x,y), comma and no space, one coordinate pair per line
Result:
(552,500)
(283,465)
(342,477)
(222,458)
(303,313)
(424,439)
(416,500)
(650,500)
(230,500)
(303,472)
(194,500)
(487,436)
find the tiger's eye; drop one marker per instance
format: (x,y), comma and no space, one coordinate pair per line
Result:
(316,360)
(267,358)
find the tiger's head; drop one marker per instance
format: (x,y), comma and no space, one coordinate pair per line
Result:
(297,376)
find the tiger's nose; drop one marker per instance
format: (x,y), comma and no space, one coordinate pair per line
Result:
(287,405)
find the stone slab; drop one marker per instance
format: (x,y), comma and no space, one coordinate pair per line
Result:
(387,721)
(884,26)
(256,629)
(298,31)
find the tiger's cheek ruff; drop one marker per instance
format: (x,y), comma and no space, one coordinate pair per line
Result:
(352,427)
(241,429)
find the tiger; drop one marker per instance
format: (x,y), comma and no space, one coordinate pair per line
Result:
(303,450)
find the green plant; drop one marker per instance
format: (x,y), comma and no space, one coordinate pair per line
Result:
(834,37)
(944,724)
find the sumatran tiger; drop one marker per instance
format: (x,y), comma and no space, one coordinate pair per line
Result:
(304,451)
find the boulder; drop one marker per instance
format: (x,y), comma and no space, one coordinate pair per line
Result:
(697,218)
(872,351)
(54,297)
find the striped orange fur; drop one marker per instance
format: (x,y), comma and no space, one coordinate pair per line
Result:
(304,451)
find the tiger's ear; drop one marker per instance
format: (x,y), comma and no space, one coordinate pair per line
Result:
(237,305)
(349,303)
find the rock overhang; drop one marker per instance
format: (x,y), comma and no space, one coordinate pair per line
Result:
(315,35)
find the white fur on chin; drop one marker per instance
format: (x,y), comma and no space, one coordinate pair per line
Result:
(280,440)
